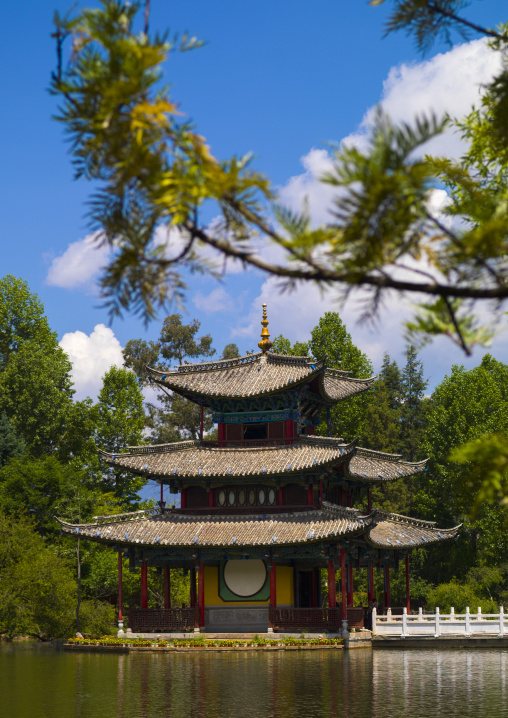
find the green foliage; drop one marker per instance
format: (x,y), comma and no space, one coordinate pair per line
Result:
(11,444)
(120,420)
(37,589)
(230,351)
(458,596)
(97,618)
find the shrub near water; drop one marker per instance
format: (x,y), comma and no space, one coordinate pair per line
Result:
(459,596)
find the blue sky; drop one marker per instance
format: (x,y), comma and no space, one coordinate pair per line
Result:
(280,79)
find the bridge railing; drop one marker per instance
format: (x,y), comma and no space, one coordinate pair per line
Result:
(439,624)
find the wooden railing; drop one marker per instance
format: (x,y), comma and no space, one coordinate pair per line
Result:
(154,620)
(324,619)
(437,624)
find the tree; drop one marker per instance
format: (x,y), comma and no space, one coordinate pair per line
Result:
(172,417)
(412,407)
(11,444)
(120,421)
(230,351)
(154,170)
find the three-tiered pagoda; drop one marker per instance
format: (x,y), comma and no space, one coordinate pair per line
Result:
(263,508)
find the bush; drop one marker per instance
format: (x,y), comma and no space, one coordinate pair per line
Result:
(459,596)
(97,618)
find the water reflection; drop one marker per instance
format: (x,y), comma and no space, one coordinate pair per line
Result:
(53,684)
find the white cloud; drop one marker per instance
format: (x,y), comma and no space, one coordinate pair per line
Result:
(217,301)
(91,356)
(79,264)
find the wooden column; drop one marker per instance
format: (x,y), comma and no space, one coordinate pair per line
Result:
(370,582)
(221,431)
(210,499)
(310,495)
(120,598)
(320,492)
(201,593)
(408,597)
(341,496)
(144,585)
(183,499)
(343,581)
(193,587)
(273,585)
(162,498)
(350,592)
(167,587)
(280,496)
(388,595)
(332,598)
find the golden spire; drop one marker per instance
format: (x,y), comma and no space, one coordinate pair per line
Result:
(265,344)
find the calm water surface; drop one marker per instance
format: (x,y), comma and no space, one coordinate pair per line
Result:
(47,683)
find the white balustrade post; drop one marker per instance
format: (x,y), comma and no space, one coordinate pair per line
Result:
(501,622)
(468,625)
(388,614)
(479,614)
(452,614)
(436,635)
(420,614)
(374,617)
(404,622)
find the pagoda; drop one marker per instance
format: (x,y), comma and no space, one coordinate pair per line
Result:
(265,507)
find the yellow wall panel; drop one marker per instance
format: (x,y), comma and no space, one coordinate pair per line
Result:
(285,595)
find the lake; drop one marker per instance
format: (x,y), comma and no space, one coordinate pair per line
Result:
(43,682)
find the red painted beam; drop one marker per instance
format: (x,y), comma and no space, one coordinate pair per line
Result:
(343,582)
(201,593)
(144,585)
(120,598)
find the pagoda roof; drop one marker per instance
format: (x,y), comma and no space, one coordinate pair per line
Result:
(209,460)
(151,528)
(369,465)
(257,375)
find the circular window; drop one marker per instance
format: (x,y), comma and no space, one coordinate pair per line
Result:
(261,496)
(252,497)
(241,497)
(222,497)
(245,578)
(271,496)
(231,498)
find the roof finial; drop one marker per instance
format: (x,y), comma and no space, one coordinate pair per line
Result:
(265,344)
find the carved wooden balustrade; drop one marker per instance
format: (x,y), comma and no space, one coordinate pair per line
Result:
(323,619)
(158,620)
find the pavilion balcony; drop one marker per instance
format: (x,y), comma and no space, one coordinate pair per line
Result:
(163,620)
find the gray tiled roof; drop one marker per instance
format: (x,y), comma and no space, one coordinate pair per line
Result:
(177,529)
(395,531)
(194,459)
(367,465)
(257,374)
(151,528)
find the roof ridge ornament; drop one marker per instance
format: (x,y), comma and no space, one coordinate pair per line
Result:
(265,344)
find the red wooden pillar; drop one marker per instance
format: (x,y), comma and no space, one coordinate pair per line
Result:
(314,589)
(120,598)
(320,492)
(201,593)
(388,595)
(162,498)
(201,425)
(183,499)
(350,593)
(311,431)
(210,499)
(332,598)
(341,496)
(370,581)
(221,431)
(408,598)
(144,585)
(290,431)
(273,585)
(310,495)
(167,587)
(280,496)
(350,499)
(193,587)
(343,581)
